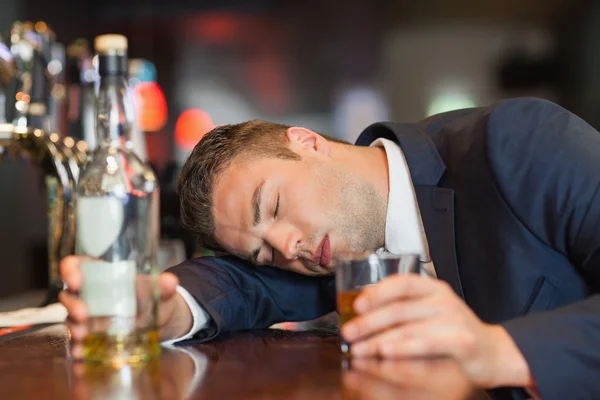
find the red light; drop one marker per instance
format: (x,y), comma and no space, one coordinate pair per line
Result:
(218,27)
(191,126)
(151,106)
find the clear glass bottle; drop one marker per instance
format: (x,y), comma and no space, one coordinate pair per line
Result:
(117,225)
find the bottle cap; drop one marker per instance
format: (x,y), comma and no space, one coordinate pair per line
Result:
(112,54)
(114,42)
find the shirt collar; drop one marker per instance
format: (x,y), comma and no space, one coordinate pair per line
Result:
(404,232)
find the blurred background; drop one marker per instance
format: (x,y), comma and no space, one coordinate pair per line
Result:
(332,66)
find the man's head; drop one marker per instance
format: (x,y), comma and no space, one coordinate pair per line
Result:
(280,195)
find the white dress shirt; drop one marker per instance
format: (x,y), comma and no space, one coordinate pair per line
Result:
(404,232)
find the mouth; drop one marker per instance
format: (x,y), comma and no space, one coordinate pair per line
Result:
(322,256)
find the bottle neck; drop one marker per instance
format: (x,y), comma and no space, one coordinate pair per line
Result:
(113,65)
(114,108)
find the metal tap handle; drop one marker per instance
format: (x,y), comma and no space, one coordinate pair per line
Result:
(25,82)
(7,76)
(46,154)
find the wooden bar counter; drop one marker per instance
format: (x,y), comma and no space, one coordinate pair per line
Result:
(268,364)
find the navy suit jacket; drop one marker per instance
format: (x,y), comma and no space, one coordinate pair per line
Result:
(510,200)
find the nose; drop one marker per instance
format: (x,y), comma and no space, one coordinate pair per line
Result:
(285,239)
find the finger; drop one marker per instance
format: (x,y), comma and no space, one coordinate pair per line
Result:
(435,337)
(76,308)
(78,330)
(399,286)
(389,316)
(168,285)
(76,351)
(70,272)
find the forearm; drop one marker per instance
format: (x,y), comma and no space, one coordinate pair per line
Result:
(236,295)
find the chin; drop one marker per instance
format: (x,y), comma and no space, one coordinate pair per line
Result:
(328,269)
(324,270)
(315,270)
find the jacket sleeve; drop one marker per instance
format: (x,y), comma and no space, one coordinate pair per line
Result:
(546,163)
(240,296)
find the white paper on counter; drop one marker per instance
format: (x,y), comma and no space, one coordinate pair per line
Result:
(52,313)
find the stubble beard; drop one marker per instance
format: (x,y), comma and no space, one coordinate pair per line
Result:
(360,215)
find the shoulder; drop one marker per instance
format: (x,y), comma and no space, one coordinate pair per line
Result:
(531,118)
(518,126)
(524,112)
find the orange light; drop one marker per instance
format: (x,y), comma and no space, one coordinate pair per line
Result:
(41,27)
(191,126)
(151,106)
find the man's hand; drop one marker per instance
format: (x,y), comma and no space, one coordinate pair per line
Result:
(408,315)
(174,316)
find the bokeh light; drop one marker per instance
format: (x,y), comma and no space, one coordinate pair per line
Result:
(151,106)
(191,126)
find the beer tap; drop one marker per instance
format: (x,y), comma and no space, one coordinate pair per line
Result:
(25,83)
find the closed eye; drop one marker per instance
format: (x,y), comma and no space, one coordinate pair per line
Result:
(274,216)
(254,256)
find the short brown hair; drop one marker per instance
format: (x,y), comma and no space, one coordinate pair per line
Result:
(211,156)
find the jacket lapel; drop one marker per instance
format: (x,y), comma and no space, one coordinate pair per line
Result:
(435,204)
(437,213)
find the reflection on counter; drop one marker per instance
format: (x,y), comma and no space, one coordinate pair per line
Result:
(176,375)
(372,379)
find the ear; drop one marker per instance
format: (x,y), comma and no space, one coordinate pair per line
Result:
(305,139)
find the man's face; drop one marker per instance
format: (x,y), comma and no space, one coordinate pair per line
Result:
(297,215)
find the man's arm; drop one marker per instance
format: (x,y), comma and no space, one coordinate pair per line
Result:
(546,163)
(239,296)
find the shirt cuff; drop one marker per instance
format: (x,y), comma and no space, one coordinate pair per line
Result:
(200,317)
